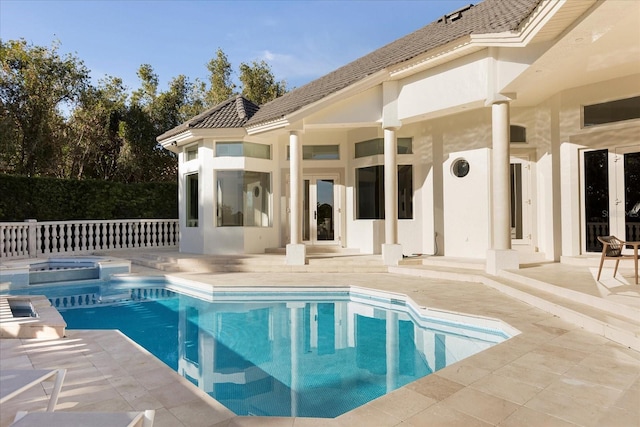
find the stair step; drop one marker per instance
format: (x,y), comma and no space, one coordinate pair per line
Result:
(616,322)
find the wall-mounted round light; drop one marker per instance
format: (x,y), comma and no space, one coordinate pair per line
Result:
(460,168)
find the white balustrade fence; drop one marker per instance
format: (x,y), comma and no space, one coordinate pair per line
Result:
(32,238)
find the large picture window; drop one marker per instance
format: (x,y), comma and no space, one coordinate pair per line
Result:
(244,199)
(192,200)
(370,192)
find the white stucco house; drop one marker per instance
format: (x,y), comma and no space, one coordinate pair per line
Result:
(505,126)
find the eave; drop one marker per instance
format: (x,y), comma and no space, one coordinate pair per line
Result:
(173,143)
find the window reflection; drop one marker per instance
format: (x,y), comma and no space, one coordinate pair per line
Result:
(311,359)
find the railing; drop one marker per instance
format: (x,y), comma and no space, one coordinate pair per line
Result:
(595,229)
(31,238)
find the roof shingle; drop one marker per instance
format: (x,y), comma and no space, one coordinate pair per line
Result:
(232,113)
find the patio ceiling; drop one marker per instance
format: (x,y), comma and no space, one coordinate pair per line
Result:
(591,50)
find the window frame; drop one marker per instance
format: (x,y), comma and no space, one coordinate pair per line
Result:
(631,111)
(245,149)
(192,208)
(378,185)
(237,182)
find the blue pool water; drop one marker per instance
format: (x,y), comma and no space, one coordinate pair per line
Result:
(308,354)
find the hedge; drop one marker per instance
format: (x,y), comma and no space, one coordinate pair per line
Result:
(50,199)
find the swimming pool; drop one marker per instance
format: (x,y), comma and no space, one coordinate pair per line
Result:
(283,351)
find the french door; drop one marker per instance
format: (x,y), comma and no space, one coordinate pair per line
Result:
(611,195)
(520,201)
(320,210)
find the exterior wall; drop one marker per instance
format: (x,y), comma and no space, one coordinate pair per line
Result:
(447,87)
(451,215)
(363,108)
(466,205)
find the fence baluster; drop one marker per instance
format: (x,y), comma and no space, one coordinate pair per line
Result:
(32,238)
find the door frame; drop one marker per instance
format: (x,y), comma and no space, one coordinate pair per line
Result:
(618,223)
(527,201)
(311,219)
(615,176)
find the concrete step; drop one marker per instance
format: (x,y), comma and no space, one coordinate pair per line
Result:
(448,262)
(317,249)
(616,322)
(597,319)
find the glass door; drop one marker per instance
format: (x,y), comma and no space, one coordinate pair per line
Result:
(320,212)
(595,194)
(520,202)
(611,195)
(627,201)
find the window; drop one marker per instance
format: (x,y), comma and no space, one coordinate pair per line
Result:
(517,134)
(373,147)
(318,152)
(192,153)
(192,200)
(460,168)
(370,192)
(243,149)
(191,340)
(405,192)
(610,112)
(244,199)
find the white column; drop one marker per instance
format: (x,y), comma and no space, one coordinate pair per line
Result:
(390,187)
(501,188)
(391,250)
(500,256)
(296,252)
(295,186)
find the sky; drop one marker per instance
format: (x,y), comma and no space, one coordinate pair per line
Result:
(301,40)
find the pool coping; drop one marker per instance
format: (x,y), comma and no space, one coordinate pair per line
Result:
(48,324)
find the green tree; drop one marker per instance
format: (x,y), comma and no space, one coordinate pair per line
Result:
(221,87)
(96,136)
(37,86)
(258,83)
(149,86)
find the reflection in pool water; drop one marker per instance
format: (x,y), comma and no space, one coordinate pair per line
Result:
(309,354)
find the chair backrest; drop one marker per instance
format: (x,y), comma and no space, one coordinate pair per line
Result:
(612,245)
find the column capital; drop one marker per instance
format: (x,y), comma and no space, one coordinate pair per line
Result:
(499,98)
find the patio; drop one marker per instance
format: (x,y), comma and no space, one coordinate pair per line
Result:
(555,373)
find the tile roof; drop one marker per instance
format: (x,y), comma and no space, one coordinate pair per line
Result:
(232,113)
(489,16)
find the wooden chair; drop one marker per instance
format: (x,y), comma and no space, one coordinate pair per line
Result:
(612,249)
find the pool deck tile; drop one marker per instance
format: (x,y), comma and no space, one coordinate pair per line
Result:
(552,374)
